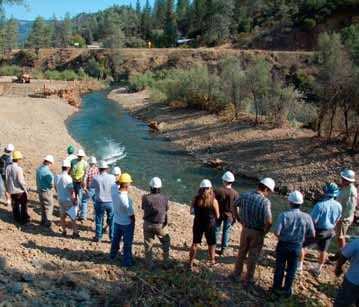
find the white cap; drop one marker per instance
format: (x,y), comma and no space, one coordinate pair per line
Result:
(269,183)
(66,163)
(296,198)
(10,148)
(116,171)
(81,153)
(49,158)
(348,175)
(228,177)
(103,164)
(92,160)
(205,184)
(156,183)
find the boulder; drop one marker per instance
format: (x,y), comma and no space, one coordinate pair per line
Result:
(215,163)
(156,126)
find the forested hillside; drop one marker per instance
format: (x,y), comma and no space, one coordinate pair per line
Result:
(279,24)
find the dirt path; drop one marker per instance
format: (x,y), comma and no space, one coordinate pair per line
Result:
(41,268)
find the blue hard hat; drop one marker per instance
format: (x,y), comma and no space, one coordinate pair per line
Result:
(331,189)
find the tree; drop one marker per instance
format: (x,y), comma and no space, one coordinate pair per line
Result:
(159,14)
(146,21)
(40,35)
(67,30)
(11,34)
(183,15)
(138,8)
(170,29)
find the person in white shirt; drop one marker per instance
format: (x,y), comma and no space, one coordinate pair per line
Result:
(66,197)
(124,220)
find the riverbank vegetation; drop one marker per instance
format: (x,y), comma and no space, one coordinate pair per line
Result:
(327,101)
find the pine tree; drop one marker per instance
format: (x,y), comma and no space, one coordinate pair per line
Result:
(40,35)
(182,13)
(11,34)
(146,21)
(199,9)
(170,28)
(159,14)
(138,8)
(67,30)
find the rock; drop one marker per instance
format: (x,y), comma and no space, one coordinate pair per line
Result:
(156,126)
(177,104)
(215,163)
(122,90)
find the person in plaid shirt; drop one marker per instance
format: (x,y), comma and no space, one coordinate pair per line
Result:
(92,171)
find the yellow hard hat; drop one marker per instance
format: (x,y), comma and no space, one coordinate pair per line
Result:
(125,178)
(17,155)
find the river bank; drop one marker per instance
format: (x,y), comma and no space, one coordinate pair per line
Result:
(40,267)
(295,158)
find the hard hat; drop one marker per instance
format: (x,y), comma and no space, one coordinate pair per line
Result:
(81,153)
(205,184)
(296,198)
(125,178)
(116,171)
(348,175)
(49,158)
(331,189)
(66,163)
(103,164)
(228,177)
(17,155)
(10,148)
(70,149)
(269,183)
(156,183)
(92,160)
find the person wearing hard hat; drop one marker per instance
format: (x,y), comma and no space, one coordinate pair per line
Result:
(206,211)
(78,171)
(16,186)
(102,184)
(348,294)
(45,183)
(5,161)
(124,220)
(66,197)
(255,215)
(89,193)
(226,197)
(71,153)
(155,208)
(292,228)
(348,198)
(325,215)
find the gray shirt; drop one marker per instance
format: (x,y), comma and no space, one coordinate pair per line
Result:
(254,210)
(351,252)
(294,226)
(102,184)
(15,181)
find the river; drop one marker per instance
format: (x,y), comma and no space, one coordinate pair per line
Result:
(107,131)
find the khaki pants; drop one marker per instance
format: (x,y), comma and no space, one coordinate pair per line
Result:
(251,243)
(150,232)
(47,207)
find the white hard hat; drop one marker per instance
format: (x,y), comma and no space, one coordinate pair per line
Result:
(116,171)
(10,148)
(269,183)
(156,183)
(66,163)
(103,164)
(92,160)
(49,158)
(228,177)
(296,198)
(81,153)
(206,184)
(348,175)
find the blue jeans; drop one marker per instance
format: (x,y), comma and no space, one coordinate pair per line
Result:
(81,200)
(127,232)
(86,197)
(100,209)
(223,240)
(287,257)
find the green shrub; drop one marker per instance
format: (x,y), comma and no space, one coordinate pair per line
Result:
(69,75)
(139,82)
(37,74)
(25,58)
(53,75)
(309,24)
(10,70)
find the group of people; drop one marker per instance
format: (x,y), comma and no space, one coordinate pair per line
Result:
(215,212)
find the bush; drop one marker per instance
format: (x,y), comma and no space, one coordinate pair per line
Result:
(139,82)
(135,42)
(37,74)
(309,24)
(69,75)
(53,75)
(25,58)
(10,70)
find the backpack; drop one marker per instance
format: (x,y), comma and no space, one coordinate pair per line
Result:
(5,161)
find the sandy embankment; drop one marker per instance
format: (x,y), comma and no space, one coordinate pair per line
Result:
(43,268)
(294,157)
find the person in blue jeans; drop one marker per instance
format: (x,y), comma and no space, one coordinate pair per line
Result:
(292,228)
(226,196)
(89,193)
(124,220)
(102,184)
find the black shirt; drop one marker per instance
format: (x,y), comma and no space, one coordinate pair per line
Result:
(155,208)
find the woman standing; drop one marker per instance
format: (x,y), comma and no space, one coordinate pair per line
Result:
(206,211)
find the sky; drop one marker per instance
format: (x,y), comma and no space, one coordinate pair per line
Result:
(47,8)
